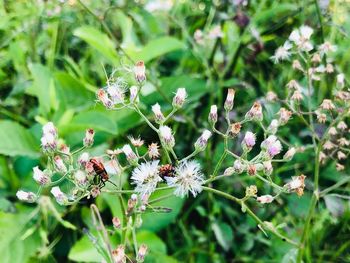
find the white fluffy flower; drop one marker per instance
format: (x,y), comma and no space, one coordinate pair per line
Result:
(146,177)
(188,179)
(282,53)
(301,38)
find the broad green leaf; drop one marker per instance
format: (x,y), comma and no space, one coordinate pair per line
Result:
(72,93)
(43,88)
(98,41)
(153,242)
(155,221)
(84,251)
(126,26)
(16,140)
(156,48)
(223,234)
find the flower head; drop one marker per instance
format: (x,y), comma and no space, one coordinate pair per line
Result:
(153,151)
(301,38)
(229,99)
(282,53)
(61,197)
(265,199)
(188,178)
(130,155)
(146,177)
(26,196)
(158,113)
(167,136)
(40,176)
(248,141)
(297,184)
(179,98)
(202,141)
(140,71)
(89,137)
(213,114)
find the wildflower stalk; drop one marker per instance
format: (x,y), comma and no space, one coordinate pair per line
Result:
(251,213)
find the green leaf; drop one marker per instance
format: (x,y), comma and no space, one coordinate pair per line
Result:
(98,41)
(155,221)
(43,88)
(156,48)
(84,251)
(223,234)
(16,140)
(153,242)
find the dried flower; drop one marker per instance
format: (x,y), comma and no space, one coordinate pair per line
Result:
(252,169)
(153,151)
(180,97)
(342,126)
(343,142)
(140,71)
(188,179)
(116,222)
(235,128)
(321,117)
(297,96)
(326,47)
(89,137)
(202,141)
(327,105)
(251,190)
(265,199)
(103,97)
(284,116)
(166,135)
(40,177)
(118,254)
(29,197)
(341,155)
(255,113)
(213,115)
(142,253)
(297,184)
(61,197)
(293,84)
(229,99)
(146,177)
(339,167)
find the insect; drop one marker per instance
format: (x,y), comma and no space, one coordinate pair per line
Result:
(101,173)
(166,170)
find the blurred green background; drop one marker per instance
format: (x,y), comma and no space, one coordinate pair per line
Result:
(53,57)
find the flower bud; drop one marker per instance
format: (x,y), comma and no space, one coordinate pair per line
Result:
(297,184)
(265,199)
(140,71)
(284,116)
(229,171)
(48,142)
(248,141)
(130,155)
(29,197)
(40,177)
(238,166)
(103,97)
(267,168)
(213,115)
(50,128)
(202,141)
(153,151)
(80,177)
(341,80)
(179,98)
(61,197)
(271,145)
(289,154)
(89,137)
(59,164)
(141,253)
(116,222)
(342,126)
(83,159)
(229,99)
(273,126)
(159,117)
(255,113)
(167,136)
(134,94)
(252,169)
